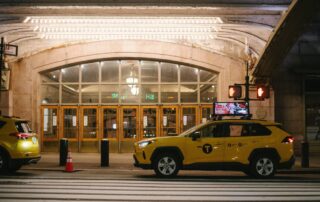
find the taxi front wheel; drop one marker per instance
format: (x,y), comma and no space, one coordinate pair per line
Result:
(15,167)
(263,166)
(166,165)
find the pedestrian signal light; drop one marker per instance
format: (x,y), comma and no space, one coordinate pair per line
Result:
(262,92)
(235,92)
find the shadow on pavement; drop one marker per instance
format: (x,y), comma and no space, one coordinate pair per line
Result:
(223,178)
(18,174)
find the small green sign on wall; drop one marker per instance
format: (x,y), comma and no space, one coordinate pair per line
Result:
(149,96)
(114,95)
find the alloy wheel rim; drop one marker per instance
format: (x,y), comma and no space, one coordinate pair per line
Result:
(264,167)
(167,166)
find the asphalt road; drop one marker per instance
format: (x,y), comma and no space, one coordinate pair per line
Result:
(140,174)
(121,181)
(108,184)
(37,186)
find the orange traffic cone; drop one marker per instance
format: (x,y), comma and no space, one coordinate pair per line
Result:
(69,164)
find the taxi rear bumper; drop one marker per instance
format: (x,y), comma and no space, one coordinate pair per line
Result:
(25,161)
(287,164)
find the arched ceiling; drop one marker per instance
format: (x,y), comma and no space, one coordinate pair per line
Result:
(226,27)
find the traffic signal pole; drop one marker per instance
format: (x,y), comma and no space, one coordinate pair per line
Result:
(1,64)
(247,86)
(235,90)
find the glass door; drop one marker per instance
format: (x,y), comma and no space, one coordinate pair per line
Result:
(149,122)
(70,126)
(206,113)
(49,128)
(189,117)
(169,121)
(129,128)
(89,129)
(110,127)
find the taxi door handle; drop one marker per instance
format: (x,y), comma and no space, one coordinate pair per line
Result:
(199,146)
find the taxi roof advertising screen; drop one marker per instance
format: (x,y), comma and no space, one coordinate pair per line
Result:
(231,108)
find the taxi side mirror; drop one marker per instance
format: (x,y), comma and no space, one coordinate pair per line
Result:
(196,135)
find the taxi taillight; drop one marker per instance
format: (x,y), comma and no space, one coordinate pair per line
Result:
(288,139)
(20,135)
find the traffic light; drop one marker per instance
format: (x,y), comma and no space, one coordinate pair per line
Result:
(235,91)
(263,92)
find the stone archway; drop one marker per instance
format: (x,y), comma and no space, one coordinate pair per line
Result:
(25,96)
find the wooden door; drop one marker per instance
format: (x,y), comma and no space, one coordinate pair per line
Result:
(149,122)
(89,127)
(49,128)
(188,117)
(70,126)
(169,121)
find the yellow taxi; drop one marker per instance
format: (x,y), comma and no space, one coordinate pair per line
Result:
(18,145)
(256,147)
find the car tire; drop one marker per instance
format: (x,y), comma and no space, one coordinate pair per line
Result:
(4,162)
(263,166)
(166,165)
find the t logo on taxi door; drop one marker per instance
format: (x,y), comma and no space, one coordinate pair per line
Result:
(207,148)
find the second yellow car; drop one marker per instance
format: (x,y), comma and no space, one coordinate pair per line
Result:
(18,144)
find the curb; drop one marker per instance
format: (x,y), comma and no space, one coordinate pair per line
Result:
(112,169)
(300,171)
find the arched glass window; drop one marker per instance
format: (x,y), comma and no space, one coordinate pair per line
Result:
(128,82)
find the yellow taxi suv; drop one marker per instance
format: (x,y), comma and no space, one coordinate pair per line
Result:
(18,145)
(258,148)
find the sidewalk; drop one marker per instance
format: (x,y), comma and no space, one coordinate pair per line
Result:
(84,161)
(124,162)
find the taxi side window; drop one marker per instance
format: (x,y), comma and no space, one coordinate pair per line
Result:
(245,130)
(218,131)
(212,130)
(206,131)
(258,130)
(235,130)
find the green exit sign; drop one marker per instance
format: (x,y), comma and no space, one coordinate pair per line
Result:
(149,96)
(114,95)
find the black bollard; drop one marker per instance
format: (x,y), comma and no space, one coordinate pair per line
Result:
(63,151)
(104,152)
(305,154)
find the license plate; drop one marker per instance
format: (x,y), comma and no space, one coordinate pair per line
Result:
(34,140)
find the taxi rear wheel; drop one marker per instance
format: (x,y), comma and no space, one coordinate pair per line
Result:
(166,165)
(263,166)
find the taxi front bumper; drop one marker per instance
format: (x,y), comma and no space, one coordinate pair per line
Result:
(140,165)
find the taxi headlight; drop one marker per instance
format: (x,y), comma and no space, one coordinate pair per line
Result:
(144,144)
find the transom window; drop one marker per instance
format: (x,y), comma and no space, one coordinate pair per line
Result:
(128,82)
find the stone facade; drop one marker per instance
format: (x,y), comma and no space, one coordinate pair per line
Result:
(289,103)
(23,99)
